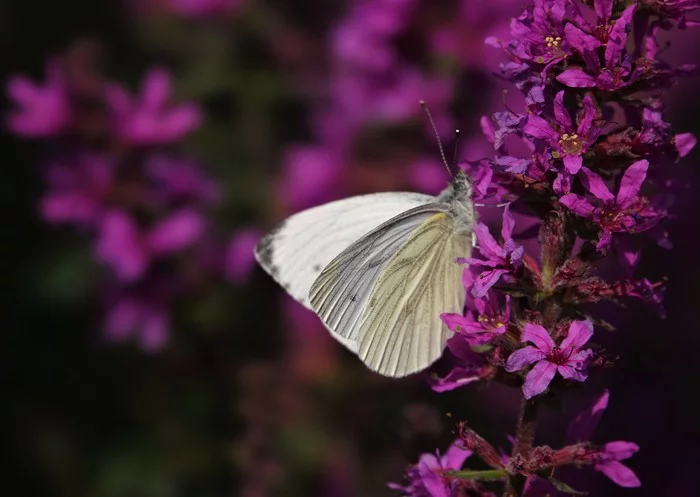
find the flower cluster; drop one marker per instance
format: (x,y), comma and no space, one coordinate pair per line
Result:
(588,166)
(113,172)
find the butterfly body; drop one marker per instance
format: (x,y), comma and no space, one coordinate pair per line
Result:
(378,270)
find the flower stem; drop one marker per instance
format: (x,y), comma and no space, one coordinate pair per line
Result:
(524,438)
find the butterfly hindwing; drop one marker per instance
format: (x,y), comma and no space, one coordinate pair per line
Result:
(340,293)
(400,331)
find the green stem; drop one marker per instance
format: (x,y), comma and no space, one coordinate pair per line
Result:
(524,439)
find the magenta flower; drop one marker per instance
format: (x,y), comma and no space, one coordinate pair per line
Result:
(425,479)
(199,8)
(485,319)
(567,359)
(140,318)
(77,192)
(239,259)
(176,181)
(539,33)
(40,110)
(148,119)
(128,250)
(625,213)
(617,71)
(565,140)
(501,259)
(605,459)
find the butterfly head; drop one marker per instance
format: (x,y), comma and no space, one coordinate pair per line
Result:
(460,189)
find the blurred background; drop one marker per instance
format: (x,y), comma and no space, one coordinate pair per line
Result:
(146,146)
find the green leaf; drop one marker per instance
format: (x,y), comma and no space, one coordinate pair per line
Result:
(481,475)
(563,487)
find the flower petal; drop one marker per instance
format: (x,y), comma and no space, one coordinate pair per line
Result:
(579,40)
(631,183)
(603,9)
(684,142)
(621,450)
(508,224)
(486,280)
(537,335)
(539,128)
(539,378)
(618,37)
(595,185)
(573,163)
(619,473)
(488,246)
(455,456)
(579,333)
(585,125)
(176,232)
(571,373)
(578,204)
(455,322)
(523,357)
(560,111)
(583,425)
(576,78)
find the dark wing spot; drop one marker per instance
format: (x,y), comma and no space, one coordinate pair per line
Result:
(316,267)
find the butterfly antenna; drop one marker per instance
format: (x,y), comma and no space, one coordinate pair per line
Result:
(454,156)
(437,136)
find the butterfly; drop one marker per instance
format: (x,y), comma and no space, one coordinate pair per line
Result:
(379,269)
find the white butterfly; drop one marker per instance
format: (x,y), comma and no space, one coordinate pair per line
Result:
(379,270)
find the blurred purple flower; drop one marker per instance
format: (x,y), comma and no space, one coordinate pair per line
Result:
(567,359)
(77,191)
(566,141)
(128,249)
(627,212)
(200,8)
(240,259)
(134,317)
(41,110)
(502,260)
(148,119)
(177,181)
(465,365)
(425,479)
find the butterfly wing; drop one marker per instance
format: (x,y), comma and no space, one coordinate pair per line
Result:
(299,248)
(341,292)
(400,331)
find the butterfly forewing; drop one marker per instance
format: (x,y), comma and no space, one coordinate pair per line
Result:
(298,249)
(400,331)
(341,292)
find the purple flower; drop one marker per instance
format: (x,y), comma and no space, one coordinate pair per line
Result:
(501,259)
(77,192)
(617,71)
(128,250)
(143,318)
(486,318)
(176,181)
(566,141)
(425,479)
(567,359)
(625,213)
(200,8)
(539,33)
(148,119)
(240,259)
(606,458)
(40,110)
(465,365)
